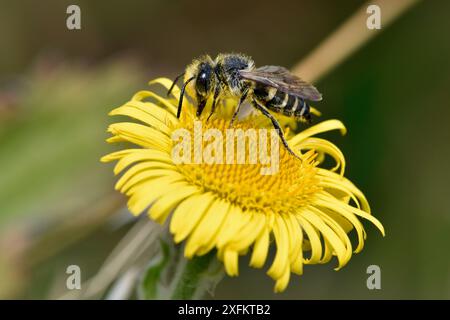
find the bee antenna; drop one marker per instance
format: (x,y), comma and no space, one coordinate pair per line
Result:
(180,102)
(174,83)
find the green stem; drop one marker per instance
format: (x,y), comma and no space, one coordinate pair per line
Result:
(169,275)
(196,276)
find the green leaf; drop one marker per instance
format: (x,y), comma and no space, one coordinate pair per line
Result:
(197,276)
(170,275)
(148,288)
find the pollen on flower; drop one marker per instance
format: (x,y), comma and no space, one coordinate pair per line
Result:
(292,186)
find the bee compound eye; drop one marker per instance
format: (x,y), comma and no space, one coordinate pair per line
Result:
(202,83)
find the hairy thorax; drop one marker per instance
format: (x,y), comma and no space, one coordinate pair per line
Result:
(227,70)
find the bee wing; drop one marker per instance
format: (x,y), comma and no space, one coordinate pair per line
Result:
(282,79)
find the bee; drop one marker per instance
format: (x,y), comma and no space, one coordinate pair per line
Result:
(267,88)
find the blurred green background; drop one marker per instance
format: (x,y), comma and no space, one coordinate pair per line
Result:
(57,204)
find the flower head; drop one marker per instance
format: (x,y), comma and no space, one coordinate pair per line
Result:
(308,210)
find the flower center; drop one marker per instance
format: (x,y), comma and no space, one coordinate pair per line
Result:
(291,182)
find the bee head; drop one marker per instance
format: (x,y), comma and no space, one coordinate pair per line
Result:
(204,81)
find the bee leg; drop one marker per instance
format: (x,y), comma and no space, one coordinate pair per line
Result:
(276,125)
(241,100)
(213,107)
(174,83)
(308,118)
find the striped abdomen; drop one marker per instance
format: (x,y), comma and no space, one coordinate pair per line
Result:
(281,102)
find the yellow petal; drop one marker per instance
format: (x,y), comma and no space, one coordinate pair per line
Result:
(280,263)
(314,111)
(162,115)
(248,234)
(166,83)
(147,175)
(164,205)
(140,167)
(115,139)
(314,240)
(140,115)
(148,192)
(138,155)
(188,214)
(327,252)
(233,224)
(141,135)
(236,219)
(324,146)
(337,228)
(357,212)
(281,283)
(118,155)
(318,128)
(326,203)
(296,256)
(297,264)
(207,227)
(337,218)
(337,187)
(260,249)
(333,240)
(231,262)
(213,242)
(148,94)
(294,231)
(337,179)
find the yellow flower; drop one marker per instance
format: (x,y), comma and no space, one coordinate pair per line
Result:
(306,209)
